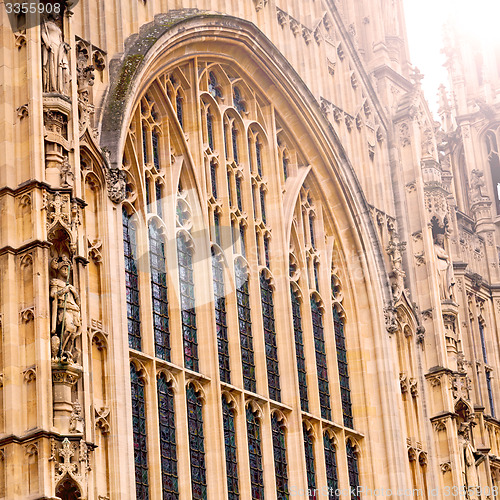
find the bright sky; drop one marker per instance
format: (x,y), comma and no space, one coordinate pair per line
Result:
(425,20)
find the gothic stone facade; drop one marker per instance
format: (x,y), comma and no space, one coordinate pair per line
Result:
(240,259)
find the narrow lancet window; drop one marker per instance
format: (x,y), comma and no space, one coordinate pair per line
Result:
(140,434)
(233,491)
(196,444)
(255,455)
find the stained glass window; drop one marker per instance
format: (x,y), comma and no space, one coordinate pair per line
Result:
(180,109)
(258,156)
(345,390)
(238,101)
(239,198)
(245,327)
(490,392)
(255,455)
(273,375)
(131,283)
(168,447)
(321,366)
(213,86)
(221,318)
(316,275)
(213,178)
(145,144)
(280,463)
(196,444)
(331,466)
(230,188)
(353,469)
(226,141)
(140,435)
(310,467)
(159,293)
(156,149)
(311,230)
(230,451)
(254,199)
(188,304)
(263,204)
(210,130)
(159,210)
(299,349)
(234,135)
(148,193)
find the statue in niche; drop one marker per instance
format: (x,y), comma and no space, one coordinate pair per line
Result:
(468,463)
(445,268)
(55,62)
(65,321)
(476,183)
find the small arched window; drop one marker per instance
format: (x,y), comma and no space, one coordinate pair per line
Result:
(353,468)
(255,455)
(230,450)
(310,462)
(196,444)
(331,462)
(280,463)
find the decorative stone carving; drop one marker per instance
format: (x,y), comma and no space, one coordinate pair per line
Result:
(101,419)
(55,62)
(116,181)
(76,421)
(72,462)
(259,4)
(397,275)
(460,386)
(445,467)
(404,135)
(476,183)
(65,321)
(391,323)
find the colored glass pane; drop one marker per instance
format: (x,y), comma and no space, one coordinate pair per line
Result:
(299,350)
(139,435)
(196,445)
(255,455)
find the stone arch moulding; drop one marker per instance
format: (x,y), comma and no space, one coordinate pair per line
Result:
(176,36)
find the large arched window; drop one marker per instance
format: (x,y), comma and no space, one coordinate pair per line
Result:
(196,444)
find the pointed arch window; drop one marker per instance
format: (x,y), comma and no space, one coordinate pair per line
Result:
(196,444)
(213,86)
(180,109)
(258,156)
(266,251)
(217,228)
(242,240)
(158,194)
(168,445)
(148,193)
(345,390)
(299,349)
(321,365)
(159,293)
(309,455)
(131,282)
(284,166)
(239,196)
(213,178)
(238,101)
(255,455)
(188,303)
(353,469)
(230,450)
(311,230)
(263,204)
(210,130)
(273,375)
(221,318)
(234,136)
(139,431)
(156,148)
(145,144)
(280,463)
(316,275)
(245,328)
(331,465)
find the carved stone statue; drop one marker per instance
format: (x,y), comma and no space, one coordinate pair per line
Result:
(476,183)
(55,63)
(445,268)
(65,321)
(468,463)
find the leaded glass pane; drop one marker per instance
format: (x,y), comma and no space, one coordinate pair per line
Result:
(273,376)
(131,283)
(331,467)
(213,86)
(238,101)
(156,149)
(168,446)
(140,435)
(213,178)
(263,204)
(145,144)
(239,197)
(245,328)
(180,110)
(148,193)
(280,463)
(299,350)
(255,455)
(210,130)
(321,366)
(217,228)
(353,469)
(345,390)
(311,230)
(159,210)
(284,165)
(258,155)
(196,445)
(234,135)
(230,451)
(159,294)
(188,304)
(310,466)
(266,252)
(221,319)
